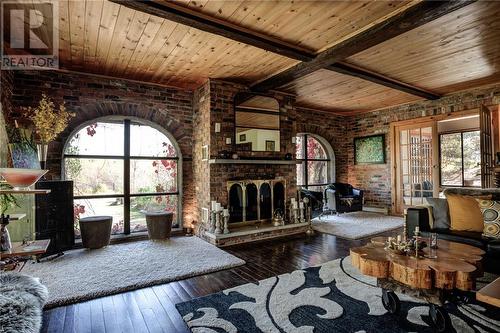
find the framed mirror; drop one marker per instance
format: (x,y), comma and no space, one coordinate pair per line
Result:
(257,123)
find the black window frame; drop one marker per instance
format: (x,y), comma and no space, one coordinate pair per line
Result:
(305,160)
(126,157)
(461,155)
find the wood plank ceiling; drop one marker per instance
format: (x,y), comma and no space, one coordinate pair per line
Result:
(457,51)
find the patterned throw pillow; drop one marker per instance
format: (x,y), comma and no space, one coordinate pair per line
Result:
(491,216)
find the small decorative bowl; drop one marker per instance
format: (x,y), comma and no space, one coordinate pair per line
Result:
(21,179)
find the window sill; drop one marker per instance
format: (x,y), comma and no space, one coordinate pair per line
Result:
(133,237)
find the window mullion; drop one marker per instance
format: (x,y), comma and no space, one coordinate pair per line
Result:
(462,151)
(306,166)
(126,177)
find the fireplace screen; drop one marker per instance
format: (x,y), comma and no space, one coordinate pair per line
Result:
(255,200)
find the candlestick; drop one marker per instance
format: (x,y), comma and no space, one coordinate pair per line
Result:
(226,223)
(213,202)
(213,217)
(226,212)
(218,229)
(217,206)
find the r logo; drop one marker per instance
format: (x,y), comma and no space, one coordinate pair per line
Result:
(29,34)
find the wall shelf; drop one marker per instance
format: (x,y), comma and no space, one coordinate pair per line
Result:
(24,191)
(247,161)
(17,217)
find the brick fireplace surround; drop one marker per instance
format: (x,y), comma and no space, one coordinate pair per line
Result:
(190,117)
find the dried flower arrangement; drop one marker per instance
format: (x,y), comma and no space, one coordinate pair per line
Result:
(48,121)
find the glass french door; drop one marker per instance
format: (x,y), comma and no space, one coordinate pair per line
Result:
(416,171)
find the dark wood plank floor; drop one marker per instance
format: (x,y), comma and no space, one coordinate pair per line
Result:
(153,309)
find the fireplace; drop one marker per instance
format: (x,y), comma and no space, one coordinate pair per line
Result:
(254,200)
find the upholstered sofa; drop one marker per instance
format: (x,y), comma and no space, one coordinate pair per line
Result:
(420,216)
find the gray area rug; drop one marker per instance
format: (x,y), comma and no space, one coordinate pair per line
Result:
(333,297)
(356,225)
(85,274)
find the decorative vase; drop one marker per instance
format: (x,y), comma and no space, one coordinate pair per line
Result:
(42,149)
(5,244)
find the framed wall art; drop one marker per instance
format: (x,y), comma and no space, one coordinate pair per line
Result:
(369,149)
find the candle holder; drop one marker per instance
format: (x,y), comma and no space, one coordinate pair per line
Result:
(296,215)
(310,230)
(291,214)
(218,227)
(213,218)
(302,214)
(226,224)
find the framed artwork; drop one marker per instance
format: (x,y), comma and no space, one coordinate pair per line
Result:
(270,145)
(369,149)
(24,156)
(243,137)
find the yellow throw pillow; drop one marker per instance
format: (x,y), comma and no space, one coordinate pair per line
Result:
(465,214)
(491,217)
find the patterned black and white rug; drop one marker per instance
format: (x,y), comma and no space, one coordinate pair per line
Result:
(333,297)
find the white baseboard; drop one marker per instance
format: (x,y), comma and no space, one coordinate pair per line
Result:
(382,210)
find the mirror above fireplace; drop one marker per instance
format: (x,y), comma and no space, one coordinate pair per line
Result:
(257,123)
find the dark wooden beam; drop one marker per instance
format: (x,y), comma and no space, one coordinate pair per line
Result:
(179,14)
(362,73)
(407,20)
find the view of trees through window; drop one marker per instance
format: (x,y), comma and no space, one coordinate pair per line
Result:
(460,159)
(98,158)
(312,173)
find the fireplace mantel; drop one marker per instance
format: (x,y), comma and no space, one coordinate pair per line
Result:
(251,161)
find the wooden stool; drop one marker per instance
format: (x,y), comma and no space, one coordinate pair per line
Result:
(95,231)
(159,224)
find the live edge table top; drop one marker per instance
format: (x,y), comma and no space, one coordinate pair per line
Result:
(456,266)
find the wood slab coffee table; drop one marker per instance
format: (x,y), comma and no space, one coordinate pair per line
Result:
(434,280)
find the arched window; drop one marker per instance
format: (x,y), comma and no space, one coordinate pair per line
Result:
(317,168)
(121,167)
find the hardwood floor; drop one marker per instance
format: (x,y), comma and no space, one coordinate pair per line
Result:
(153,309)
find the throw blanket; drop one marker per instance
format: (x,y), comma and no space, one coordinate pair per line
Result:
(21,302)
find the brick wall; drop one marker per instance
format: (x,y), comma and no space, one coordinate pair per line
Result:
(376,179)
(91,97)
(201,137)
(333,129)
(222,110)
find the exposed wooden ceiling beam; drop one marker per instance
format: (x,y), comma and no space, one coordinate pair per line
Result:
(413,17)
(213,25)
(363,73)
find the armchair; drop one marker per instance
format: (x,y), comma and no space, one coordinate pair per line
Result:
(343,198)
